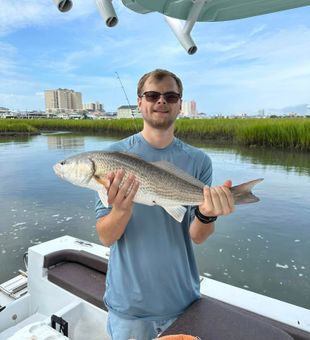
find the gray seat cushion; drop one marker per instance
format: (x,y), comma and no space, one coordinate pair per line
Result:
(84,275)
(211,319)
(78,272)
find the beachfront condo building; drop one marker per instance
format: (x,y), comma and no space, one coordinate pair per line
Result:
(93,107)
(189,109)
(63,100)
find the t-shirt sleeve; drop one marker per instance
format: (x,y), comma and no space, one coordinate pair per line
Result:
(206,170)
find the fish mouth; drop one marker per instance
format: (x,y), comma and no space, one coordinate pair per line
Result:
(57,170)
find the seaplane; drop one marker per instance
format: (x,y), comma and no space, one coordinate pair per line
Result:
(181,15)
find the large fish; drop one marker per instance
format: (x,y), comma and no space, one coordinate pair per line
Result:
(160,183)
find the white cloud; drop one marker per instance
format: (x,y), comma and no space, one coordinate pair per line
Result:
(270,69)
(235,69)
(107,89)
(256,30)
(15,101)
(17,14)
(7,64)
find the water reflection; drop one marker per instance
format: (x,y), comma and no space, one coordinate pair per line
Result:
(66,141)
(16,139)
(289,161)
(262,247)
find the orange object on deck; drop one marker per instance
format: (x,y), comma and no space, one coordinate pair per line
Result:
(179,337)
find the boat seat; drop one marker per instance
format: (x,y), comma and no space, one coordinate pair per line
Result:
(211,319)
(84,274)
(78,272)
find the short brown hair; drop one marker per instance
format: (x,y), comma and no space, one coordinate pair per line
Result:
(159,74)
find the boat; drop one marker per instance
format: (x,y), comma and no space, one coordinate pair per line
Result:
(59,296)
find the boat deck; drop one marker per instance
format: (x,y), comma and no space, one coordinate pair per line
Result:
(66,278)
(83,274)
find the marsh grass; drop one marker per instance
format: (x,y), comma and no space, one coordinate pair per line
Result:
(9,126)
(281,133)
(284,133)
(111,126)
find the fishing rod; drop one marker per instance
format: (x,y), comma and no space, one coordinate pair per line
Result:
(130,107)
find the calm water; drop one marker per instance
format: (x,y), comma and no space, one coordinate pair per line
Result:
(263,247)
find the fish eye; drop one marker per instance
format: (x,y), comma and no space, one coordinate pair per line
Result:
(62,162)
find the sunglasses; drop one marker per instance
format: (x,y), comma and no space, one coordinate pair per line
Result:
(153,96)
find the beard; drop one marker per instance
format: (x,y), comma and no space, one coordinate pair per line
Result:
(163,123)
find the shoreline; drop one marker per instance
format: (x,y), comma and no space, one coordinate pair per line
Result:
(18,133)
(280,134)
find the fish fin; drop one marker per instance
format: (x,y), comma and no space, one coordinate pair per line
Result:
(246,198)
(245,187)
(242,193)
(176,212)
(172,169)
(103,180)
(133,155)
(103,197)
(94,184)
(143,199)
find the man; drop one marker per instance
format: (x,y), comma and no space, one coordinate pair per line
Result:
(152,276)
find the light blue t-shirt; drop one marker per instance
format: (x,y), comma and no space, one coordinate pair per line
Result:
(152,272)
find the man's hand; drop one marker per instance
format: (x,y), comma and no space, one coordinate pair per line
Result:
(111,227)
(121,196)
(217,200)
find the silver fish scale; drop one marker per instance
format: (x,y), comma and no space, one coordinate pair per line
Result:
(164,187)
(160,184)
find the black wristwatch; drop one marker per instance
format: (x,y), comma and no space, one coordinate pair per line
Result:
(202,218)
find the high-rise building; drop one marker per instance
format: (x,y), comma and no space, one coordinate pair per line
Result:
(62,100)
(126,111)
(188,108)
(93,107)
(194,108)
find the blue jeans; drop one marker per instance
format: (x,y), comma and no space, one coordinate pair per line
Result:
(123,329)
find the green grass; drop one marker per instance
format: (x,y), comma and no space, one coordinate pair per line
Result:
(111,126)
(9,126)
(283,133)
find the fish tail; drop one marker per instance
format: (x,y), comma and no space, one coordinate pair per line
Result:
(242,193)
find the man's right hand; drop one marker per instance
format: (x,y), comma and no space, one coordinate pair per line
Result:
(111,227)
(121,196)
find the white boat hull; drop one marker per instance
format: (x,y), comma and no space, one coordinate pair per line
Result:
(86,320)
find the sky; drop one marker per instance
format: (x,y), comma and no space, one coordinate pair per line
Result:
(241,66)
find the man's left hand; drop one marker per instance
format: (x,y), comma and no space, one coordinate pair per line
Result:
(217,200)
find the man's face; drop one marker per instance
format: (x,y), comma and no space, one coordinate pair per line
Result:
(159,114)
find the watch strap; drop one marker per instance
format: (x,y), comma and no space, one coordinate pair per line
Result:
(203,218)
